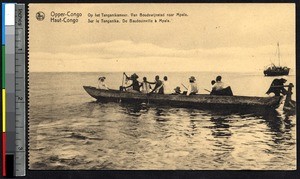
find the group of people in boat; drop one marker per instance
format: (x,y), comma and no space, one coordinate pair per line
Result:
(277,68)
(163,87)
(160,87)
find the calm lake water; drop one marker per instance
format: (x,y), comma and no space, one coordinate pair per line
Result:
(69,130)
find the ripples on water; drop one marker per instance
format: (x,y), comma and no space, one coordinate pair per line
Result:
(122,136)
(68,130)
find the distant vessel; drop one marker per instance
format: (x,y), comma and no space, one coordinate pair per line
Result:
(274,70)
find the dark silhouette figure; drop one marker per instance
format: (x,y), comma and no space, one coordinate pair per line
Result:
(277,87)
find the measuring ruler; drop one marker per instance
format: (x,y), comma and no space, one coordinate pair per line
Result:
(20,95)
(13,90)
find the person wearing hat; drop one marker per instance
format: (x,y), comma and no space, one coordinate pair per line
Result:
(135,83)
(102,84)
(192,88)
(177,90)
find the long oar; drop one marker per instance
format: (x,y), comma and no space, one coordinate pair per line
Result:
(207,90)
(123,79)
(184,86)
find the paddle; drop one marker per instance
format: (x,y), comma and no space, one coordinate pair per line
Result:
(123,80)
(280,86)
(124,74)
(187,89)
(184,86)
(207,90)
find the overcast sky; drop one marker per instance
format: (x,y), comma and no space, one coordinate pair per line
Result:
(213,37)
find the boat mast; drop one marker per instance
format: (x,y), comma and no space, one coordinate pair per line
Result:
(278,53)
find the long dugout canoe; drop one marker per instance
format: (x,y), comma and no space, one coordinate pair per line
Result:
(194,101)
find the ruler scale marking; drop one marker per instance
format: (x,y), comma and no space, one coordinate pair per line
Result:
(13,90)
(20,96)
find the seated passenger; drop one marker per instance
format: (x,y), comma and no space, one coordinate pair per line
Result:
(102,84)
(219,85)
(192,88)
(213,82)
(219,88)
(177,90)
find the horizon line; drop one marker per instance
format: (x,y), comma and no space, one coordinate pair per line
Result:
(140,71)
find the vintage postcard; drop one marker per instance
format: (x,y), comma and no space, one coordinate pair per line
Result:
(162,86)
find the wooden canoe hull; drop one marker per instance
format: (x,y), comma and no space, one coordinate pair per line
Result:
(194,101)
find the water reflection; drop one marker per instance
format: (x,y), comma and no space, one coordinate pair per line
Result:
(274,119)
(160,112)
(225,137)
(220,127)
(279,125)
(134,109)
(277,122)
(222,143)
(193,127)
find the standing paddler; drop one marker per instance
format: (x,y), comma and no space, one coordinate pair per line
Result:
(158,86)
(166,86)
(146,87)
(135,83)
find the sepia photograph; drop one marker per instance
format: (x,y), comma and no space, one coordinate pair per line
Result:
(162,86)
